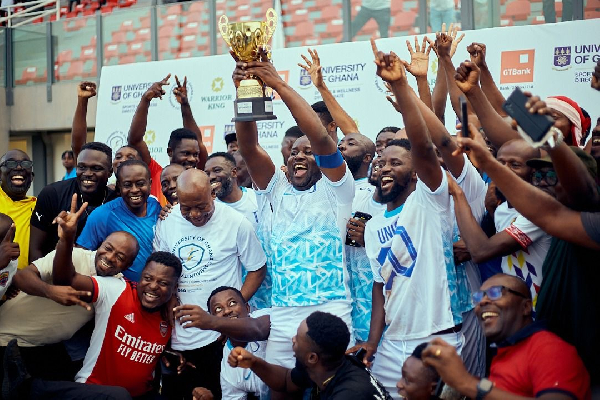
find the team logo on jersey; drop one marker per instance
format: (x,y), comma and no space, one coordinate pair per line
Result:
(164,328)
(3,278)
(130,318)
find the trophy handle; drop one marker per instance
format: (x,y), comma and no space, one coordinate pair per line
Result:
(224,29)
(271,24)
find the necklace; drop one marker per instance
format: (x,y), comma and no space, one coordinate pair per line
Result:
(87,212)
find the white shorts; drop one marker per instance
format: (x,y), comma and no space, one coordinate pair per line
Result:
(391,354)
(284,325)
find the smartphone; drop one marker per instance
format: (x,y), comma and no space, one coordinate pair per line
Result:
(534,127)
(360,354)
(173,359)
(362,216)
(464,117)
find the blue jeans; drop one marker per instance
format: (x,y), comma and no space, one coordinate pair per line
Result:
(438,17)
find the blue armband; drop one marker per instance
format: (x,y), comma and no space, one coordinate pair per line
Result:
(330,161)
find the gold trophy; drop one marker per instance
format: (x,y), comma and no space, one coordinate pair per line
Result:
(253,102)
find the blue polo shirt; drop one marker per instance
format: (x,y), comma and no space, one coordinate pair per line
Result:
(115,216)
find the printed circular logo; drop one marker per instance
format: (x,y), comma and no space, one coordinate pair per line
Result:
(173,99)
(217,84)
(195,253)
(116,140)
(150,137)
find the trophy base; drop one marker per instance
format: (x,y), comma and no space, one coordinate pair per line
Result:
(253,109)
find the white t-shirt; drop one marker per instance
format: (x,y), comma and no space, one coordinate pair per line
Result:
(307,240)
(526,263)
(212,256)
(6,276)
(236,383)
(247,206)
(409,250)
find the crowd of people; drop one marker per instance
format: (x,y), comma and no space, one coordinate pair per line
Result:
(421,265)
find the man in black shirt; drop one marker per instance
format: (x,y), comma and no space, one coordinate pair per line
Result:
(321,364)
(93,170)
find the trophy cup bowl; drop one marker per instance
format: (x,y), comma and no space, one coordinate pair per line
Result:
(245,39)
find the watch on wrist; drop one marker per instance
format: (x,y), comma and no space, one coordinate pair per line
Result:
(483,388)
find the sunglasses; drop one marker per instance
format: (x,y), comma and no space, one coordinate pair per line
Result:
(548,176)
(10,164)
(494,293)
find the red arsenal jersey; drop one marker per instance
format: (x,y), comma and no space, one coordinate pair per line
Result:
(127,340)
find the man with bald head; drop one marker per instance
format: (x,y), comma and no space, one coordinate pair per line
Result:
(212,241)
(38,318)
(16,175)
(358,152)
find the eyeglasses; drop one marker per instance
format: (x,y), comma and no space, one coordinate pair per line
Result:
(549,176)
(494,293)
(10,164)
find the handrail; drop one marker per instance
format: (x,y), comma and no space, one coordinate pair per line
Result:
(30,13)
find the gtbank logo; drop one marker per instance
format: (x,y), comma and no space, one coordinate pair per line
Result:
(517,66)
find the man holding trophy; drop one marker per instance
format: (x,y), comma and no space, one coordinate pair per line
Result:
(309,211)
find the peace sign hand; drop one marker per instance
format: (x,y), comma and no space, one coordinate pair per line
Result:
(180,91)
(67,220)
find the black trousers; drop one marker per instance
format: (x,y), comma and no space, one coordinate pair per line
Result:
(207,360)
(51,390)
(49,362)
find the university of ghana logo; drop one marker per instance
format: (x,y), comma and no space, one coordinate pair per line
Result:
(150,137)
(217,84)
(116,140)
(191,254)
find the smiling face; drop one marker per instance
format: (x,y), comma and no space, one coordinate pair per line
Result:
(17,180)
(502,318)
(134,183)
(186,153)
(196,206)
(157,285)
(395,174)
(228,304)
(93,171)
(115,254)
(168,181)
(302,167)
(123,154)
(222,176)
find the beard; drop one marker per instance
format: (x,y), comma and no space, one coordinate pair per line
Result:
(226,188)
(354,163)
(395,191)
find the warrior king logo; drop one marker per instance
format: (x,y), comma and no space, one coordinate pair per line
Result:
(3,278)
(562,58)
(217,84)
(116,140)
(116,94)
(150,137)
(217,100)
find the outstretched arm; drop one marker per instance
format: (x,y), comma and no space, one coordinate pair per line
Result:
(276,377)
(242,329)
(137,130)
(537,206)
(340,116)
(180,92)
(85,90)
(497,130)
(391,69)
(418,67)
(493,94)
(307,120)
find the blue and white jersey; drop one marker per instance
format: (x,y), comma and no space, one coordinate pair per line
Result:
(308,232)
(361,275)
(253,207)
(410,249)
(236,383)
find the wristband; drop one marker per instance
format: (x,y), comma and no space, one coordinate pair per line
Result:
(330,161)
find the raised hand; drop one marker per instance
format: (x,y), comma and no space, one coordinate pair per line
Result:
(9,250)
(67,296)
(453,32)
(370,348)
(241,358)
(477,53)
(475,148)
(391,98)
(355,228)
(467,76)
(67,220)
(313,68)
(191,316)
(263,69)
(389,66)
(446,361)
(156,90)
(596,76)
(86,90)
(443,44)
(419,58)
(180,91)
(201,393)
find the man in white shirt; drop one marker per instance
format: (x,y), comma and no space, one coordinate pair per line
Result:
(410,245)
(309,217)
(358,152)
(212,241)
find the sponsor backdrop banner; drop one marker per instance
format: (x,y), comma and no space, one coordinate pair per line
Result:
(551,59)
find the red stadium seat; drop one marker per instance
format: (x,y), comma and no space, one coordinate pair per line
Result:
(127,25)
(330,12)
(88,53)
(136,48)
(592,5)
(75,70)
(188,42)
(29,75)
(127,59)
(111,50)
(106,10)
(304,30)
(119,37)
(191,28)
(518,10)
(592,14)
(88,11)
(166,31)
(64,56)
(404,21)
(143,35)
